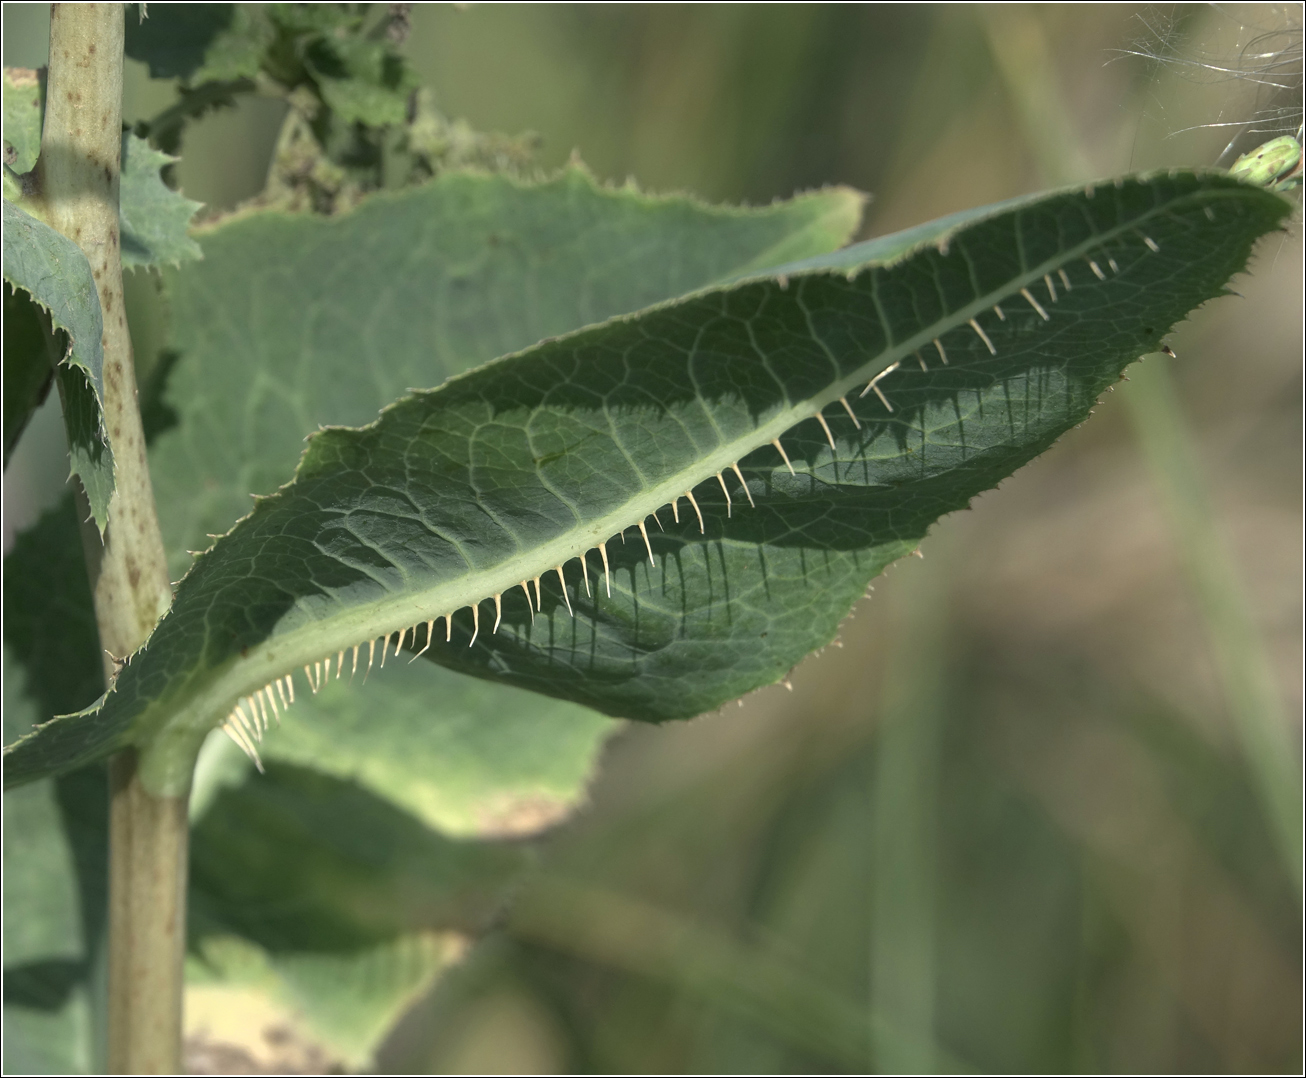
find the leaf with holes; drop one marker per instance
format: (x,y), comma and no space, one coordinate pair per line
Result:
(658,513)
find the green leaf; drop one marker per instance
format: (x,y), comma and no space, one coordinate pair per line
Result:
(154,223)
(336,899)
(55,273)
(155,219)
(362,80)
(456,495)
(22,118)
(300,861)
(467,758)
(42,917)
(198,42)
(30,350)
(348,1000)
(457,767)
(55,831)
(297,321)
(49,619)
(54,893)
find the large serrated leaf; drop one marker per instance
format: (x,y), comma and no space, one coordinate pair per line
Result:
(53,270)
(515,470)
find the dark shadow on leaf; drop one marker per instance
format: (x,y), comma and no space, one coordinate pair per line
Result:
(43,986)
(297,861)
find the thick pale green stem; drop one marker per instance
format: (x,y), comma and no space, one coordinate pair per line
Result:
(81,147)
(148,839)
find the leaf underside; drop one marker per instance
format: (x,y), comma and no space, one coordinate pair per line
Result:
(456,495)
(55,273)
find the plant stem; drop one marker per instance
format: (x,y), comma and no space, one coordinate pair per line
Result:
(148,840)
(81,149)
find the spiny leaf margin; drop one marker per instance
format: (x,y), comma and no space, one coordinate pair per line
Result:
(153,704)
(52,269)
(154,218)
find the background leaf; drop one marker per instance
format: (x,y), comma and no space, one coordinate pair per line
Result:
(22,116)
(339,903)
(467,758)
(155,219)
(197,42)
(1063,595)
(31,349)
(295,321)
(55,888)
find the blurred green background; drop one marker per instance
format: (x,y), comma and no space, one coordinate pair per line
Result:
(1005,826)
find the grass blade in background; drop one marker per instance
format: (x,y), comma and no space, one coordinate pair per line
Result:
(1240,656)
(904,825)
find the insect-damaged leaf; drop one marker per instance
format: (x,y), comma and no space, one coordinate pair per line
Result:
(513,471)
